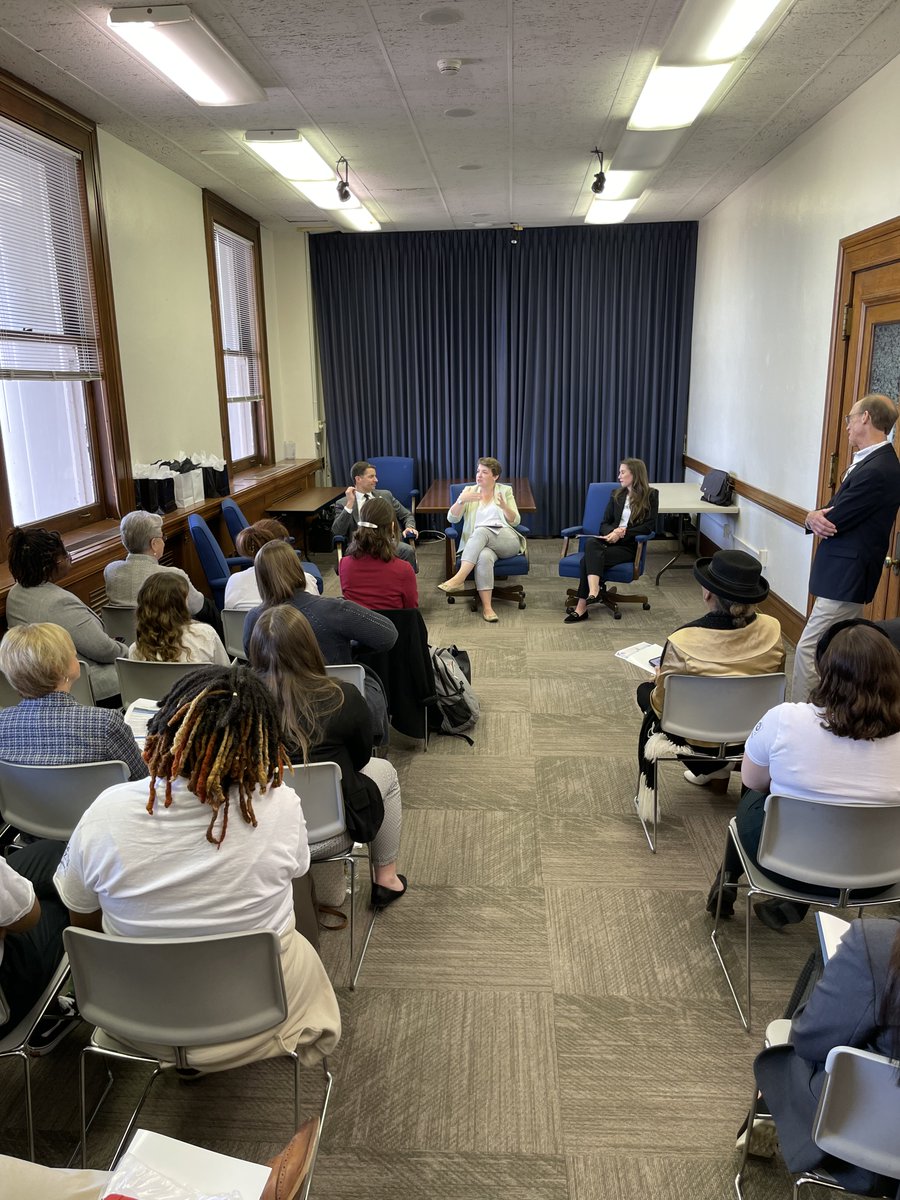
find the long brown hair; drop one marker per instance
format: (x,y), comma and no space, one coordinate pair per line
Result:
(252,538)
(286,656)
(162,617)
(278,573)
(640,488)
(378,542)
(859,685)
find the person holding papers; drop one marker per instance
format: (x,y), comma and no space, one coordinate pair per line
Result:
(855,1003)
(844,745)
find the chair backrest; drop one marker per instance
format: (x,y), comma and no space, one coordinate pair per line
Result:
(234,519)
(149,680)
(81,689)
(350,673)
(233,622)
(859,1111)
(321,797)
(9,697)
(840,845)
(455,489)
(48,802)
(212,560)
(183,992)
(718,708)
(396,475)
(120,622)
(595,503)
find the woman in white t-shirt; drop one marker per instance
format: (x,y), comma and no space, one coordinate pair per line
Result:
(843,746)
(165,631)
(242,589)
(179,867)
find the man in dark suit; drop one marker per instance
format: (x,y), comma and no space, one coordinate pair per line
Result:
(855,529)
(365,487)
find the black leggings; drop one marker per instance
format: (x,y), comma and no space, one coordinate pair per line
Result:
(599,557)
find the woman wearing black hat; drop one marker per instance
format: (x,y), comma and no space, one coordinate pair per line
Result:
(732,638)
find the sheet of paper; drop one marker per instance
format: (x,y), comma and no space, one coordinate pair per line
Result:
(137,717)
(831,930)
(192,1167)
(640,655)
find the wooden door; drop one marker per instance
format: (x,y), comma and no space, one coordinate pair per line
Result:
(865,357)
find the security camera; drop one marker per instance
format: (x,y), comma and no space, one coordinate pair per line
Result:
(343,190)
(599,183)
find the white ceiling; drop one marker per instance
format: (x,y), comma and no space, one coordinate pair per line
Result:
(546,80)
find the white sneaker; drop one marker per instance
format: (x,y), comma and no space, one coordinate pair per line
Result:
(703,780)
(763,1138)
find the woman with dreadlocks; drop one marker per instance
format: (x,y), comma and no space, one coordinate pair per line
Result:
(214,849)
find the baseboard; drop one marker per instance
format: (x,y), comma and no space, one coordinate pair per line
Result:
(791,621)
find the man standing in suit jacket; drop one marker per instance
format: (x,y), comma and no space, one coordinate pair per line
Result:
(855,529)
(347,514)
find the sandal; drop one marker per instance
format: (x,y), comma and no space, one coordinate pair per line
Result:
(329,911)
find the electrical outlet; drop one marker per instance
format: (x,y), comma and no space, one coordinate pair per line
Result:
(763,557)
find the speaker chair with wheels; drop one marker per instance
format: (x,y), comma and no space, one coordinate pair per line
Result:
(598,497)
(504,568)
(397,476)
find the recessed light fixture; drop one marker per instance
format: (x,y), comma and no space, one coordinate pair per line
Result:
(179,45)
(325,195)
(673,96)
(359,218)
(608,212)
(459,112)
(290,154)
(709,31)
(441,16)
(624,185)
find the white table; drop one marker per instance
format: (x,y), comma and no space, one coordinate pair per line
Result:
(683,500)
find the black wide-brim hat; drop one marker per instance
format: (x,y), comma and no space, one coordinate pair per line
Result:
(733,575)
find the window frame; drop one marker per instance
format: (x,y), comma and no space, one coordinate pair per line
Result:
(217,211)
(105,404)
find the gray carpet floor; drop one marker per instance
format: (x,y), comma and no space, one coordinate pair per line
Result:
(542,1016)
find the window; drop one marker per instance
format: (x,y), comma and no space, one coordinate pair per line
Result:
(236,288)
(61,425)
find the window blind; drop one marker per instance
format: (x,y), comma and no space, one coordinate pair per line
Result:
(238,316)
(48,311)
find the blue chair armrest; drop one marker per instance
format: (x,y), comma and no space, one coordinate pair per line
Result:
(410,532)
(415,493)
(452,532)
(523,529)
(239,561)
(338,539)
(572,531)
(644,537)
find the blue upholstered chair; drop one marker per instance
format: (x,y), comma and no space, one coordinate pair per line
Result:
(570,564)
(216,566)
(503,569)
(236,521)
(397,476)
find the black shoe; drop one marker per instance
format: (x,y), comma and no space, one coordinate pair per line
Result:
(775,914)
(382,896)
(729,895)
(573,618)
(595,599)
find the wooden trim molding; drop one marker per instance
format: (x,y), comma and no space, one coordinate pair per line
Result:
(787,616)
(782,508)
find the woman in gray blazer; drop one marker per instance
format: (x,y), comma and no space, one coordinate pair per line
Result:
(37,560)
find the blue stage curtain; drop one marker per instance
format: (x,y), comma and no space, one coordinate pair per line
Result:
(559,355)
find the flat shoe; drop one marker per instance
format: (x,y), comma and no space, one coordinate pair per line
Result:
(451,589)
(775,914)
(593,599)
(382,896)
(574,619)
(729,896)
(703,780)
(491,618)
(290,1168)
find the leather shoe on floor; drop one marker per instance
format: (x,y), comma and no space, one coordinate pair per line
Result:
(291,1166)
(729,896)
(382,896)
(594,599)
(451,589)
(775,914)
(491,618)
(573,618)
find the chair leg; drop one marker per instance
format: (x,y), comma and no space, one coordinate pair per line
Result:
(329,1080)
(369,931)
(745,1019)
(29,1107)
(745,1152)
(651,838)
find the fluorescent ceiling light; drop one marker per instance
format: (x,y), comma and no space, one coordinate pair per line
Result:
(290,154)
(180,46)
(324,195)
(608,212)
(624,185)
(741,22)
(360,219)
(646,149)
(673,96)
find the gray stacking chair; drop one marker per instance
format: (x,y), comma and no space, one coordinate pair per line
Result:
(349,673)
(81,689)
(843,846)
(120,621)
(47,802)
(233,621)
(177,993)
(149,680)
(721,709)
(319,788)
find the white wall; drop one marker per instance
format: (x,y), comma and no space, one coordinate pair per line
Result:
(766,269)
(154,221)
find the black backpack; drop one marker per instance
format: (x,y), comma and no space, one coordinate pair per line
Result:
(456,709)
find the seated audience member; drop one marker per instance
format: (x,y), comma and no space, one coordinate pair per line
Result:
(165,631)
(632,510)
(732,638)
(242,590)
(173,867)
(143,538)
(31,1181)
(360,494)
(489,512)
(855,1003)
(844,745)
(371,573)
(31,923)
(327,720)
(37,560)
(48,728)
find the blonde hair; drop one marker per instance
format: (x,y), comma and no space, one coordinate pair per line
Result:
(36,658)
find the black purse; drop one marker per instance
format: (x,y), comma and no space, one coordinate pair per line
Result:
(717,488)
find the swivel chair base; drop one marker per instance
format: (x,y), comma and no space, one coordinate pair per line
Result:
(611,598)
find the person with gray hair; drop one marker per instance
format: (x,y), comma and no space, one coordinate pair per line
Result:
(142,536)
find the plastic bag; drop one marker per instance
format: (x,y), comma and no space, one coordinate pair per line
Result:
(134,1180)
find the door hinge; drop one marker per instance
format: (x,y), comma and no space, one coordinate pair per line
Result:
(847,321)
(832,471)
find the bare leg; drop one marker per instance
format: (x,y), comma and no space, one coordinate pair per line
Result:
(462,574)
(487,602)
